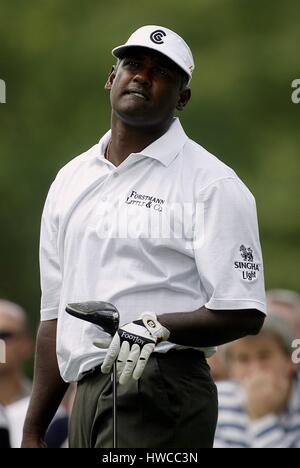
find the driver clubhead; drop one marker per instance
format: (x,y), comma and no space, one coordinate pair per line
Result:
(102,314)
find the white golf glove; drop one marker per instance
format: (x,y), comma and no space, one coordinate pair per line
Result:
(132,346)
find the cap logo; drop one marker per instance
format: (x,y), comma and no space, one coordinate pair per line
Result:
(157,36)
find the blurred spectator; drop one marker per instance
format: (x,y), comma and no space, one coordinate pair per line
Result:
(286,304)
(282,302)
(14,330)
(15,388)
(4,436)
(261,406)
(57,434)
(16,413)
(219,370)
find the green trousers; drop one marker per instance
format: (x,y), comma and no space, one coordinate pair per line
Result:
(173,405)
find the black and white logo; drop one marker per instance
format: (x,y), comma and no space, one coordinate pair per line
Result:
(151,324)
(247,254)
(157,36)
(248,267)
(146,201)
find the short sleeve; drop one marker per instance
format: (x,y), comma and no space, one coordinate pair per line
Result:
(50,272)
(227,247)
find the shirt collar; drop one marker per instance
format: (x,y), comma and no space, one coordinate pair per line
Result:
(102,145)
(164,149)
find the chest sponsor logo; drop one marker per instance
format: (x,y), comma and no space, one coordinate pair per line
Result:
(146,201)
(248,267)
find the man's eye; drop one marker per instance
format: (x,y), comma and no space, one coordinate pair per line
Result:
(162,72)
(132,63)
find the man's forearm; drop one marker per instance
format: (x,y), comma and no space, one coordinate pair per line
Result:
(205,327)
(48,388)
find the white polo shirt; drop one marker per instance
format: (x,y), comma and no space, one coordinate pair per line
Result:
(169,230)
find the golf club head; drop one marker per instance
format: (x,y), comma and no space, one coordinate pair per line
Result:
(102,314)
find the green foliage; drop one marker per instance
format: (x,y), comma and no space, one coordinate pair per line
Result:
(55,57)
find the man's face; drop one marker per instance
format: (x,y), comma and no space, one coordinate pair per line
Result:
(258,354)
(17,343)
(146,88)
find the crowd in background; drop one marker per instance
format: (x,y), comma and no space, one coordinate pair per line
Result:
(258,382)
(259,401)
(15,387)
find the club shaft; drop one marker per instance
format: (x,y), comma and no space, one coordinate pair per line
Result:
(114,384)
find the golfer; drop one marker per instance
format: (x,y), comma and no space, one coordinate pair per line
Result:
(151,222)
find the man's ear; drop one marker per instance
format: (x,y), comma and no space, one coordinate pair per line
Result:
(110,79)
(184,98)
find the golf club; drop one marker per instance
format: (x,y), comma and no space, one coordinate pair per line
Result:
(106,317)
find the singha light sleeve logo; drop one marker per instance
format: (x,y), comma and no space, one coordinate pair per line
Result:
(2,92)
(248,268)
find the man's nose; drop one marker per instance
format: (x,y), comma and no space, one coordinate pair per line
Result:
(143,77)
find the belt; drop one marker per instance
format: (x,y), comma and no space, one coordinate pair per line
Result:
(96,369)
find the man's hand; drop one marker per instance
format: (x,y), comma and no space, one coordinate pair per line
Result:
(132,346)
(265,395)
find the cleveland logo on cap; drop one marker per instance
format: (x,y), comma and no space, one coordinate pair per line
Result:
(163,40)
(157,36)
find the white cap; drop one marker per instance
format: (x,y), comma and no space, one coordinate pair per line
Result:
(163,40)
